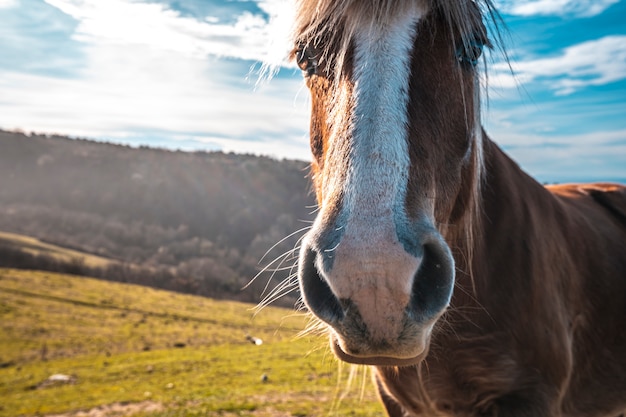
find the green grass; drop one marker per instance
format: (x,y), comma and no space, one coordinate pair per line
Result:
(35,246)
(120,343)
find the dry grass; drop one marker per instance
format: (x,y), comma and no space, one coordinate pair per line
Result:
(126,344)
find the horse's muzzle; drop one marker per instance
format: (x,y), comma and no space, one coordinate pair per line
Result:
(380,313)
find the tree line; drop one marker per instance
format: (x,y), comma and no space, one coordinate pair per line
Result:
(196,222)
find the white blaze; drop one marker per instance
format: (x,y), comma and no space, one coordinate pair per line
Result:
(369,254)
(379,160)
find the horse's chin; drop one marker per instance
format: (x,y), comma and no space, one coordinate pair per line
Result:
(374,360)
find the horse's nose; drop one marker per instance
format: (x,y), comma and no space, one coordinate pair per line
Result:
(434,281)
(374,292)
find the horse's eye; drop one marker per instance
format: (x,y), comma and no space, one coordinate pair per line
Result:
(470,53)
(306,60)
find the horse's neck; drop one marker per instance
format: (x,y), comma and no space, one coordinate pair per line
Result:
(509,194)
(519,223)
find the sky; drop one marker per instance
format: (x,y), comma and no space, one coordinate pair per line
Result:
(183,74)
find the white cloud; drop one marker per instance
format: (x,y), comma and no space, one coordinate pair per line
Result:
(596,139)
(594,156)
(281,14)
(129,89)
(275,147)
(591,63)
(6,4)
(148,70)
(581,8)
(153,25)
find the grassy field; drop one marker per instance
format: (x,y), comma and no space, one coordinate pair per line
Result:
(138,351)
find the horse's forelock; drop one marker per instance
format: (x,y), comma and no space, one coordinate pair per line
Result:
(318,20)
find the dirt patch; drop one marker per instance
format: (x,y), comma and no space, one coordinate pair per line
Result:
(114,410)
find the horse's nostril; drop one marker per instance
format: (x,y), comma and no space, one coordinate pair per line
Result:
(317,295)
(434,281)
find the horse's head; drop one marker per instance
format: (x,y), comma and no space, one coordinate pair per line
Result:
(396,146)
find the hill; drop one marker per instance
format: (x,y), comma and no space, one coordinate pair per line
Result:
(35,247)
(130,347)
(195,222)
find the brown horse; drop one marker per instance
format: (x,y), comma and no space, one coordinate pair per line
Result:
(472,289)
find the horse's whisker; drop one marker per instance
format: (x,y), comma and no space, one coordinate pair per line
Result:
(282,240)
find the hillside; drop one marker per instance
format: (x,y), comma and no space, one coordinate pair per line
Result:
(199,222)
(35,247)
(130,348)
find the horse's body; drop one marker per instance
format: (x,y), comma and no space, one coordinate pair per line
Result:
(472,289)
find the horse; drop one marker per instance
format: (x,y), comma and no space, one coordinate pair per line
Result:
(469,288)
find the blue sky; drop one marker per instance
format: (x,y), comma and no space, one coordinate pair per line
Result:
(176,74)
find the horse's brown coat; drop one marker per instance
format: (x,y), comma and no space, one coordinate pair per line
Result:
(543,334)
(537,321)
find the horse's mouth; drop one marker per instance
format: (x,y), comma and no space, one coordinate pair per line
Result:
(375,360)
